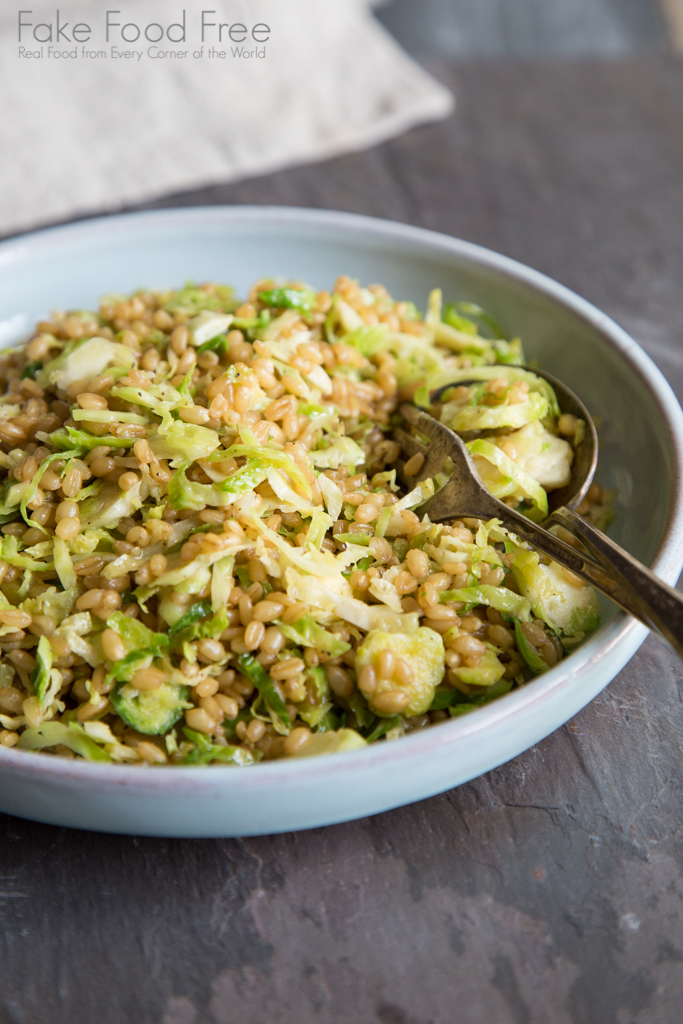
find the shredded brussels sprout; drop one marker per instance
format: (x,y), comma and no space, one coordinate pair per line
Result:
(205,556)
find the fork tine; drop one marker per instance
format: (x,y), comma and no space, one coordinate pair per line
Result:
(409,444)
(424,422)
(412,414)
(441,441)
(464,493)
(437,432)
(433,453)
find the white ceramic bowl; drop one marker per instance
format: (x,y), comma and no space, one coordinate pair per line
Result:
(72,266)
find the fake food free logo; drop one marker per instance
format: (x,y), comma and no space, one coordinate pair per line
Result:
(116,37)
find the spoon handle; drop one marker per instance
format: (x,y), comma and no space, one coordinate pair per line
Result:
(610,570)
(649,599)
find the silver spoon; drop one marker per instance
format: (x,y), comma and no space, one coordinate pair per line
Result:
(607,567)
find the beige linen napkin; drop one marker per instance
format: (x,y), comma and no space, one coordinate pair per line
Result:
(85,133)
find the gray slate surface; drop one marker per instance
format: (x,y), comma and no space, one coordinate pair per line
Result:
(455,28)
(547,892)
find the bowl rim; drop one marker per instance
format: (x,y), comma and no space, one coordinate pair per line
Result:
(667,562)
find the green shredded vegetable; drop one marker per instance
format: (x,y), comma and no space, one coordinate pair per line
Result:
(302,299)
(205,752)
(250,667)
(208,544)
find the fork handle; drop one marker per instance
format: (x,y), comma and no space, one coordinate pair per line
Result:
(610,570)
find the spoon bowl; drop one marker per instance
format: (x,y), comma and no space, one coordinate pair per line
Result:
(585,461)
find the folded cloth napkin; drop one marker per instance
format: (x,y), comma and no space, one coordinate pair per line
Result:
(84,128)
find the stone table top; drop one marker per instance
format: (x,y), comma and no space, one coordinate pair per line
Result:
(546,892)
